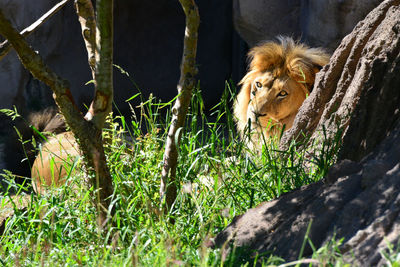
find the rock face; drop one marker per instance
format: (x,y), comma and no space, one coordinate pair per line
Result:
(259,20)
(359,200)
(148,45)
(319,23)
(325,23)
(358,91)
(353,203)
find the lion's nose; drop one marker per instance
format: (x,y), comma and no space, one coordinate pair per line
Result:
(257,115)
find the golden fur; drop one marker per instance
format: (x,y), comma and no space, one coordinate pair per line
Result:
(281,75)
(54,162)
(57,153)
(23,154)
(50,158)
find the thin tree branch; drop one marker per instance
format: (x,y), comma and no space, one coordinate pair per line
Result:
(34,63)
(97,33)
(187,82)
(87,19)
(88,134)
(299,262)
(102,103)
(5,47)
(101,106)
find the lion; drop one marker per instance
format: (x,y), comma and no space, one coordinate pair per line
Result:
(280,77)
(57,154)
(52,157)
(55,161)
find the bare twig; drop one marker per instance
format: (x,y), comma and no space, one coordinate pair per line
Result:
(299,262)
(5,47)
(34,63)
(187,82)
(87,19)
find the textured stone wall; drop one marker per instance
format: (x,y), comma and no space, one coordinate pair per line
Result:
(319,23)
(359,199)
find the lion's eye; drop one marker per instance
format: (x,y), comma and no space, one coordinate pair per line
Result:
(258,85)
(282,93)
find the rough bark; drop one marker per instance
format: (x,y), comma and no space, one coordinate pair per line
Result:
(186,84)
(87,132)
(87,19)
(359,92)
(102,102)
(347,97)
(101,106)
(5,47)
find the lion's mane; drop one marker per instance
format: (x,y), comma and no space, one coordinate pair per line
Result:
(285,58)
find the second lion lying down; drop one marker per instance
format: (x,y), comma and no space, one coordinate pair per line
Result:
(281,75)
(53,157)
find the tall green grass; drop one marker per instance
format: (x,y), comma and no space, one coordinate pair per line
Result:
(218,178)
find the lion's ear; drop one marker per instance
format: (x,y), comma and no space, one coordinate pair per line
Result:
(317,58)
(304,67)
(242,100)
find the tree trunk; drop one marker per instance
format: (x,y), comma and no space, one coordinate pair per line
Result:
(101,106)
(87,19)
(87,132)
(187,82)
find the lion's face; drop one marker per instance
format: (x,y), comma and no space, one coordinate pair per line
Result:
(274,100)
(280,77)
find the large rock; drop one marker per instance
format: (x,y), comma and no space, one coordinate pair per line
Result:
(359,200)
(319,23)
(259,20)
(325,23)
(356,96)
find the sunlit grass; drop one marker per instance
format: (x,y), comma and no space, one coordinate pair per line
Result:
(218,178)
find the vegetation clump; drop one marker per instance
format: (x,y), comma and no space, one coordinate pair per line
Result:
(218,177)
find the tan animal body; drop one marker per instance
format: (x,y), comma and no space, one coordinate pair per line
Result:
(51,158)
(281,75)
(55,162)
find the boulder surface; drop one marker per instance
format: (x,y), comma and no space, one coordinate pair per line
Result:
(318,23)
(356,99)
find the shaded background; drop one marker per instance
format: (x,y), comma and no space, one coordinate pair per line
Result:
(149,41)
